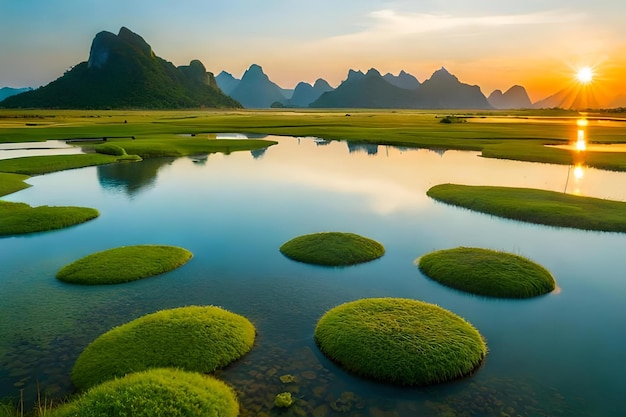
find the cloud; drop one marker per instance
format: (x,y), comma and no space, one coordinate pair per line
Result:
(391,22)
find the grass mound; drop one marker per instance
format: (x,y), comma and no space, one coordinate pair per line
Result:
(20,218)
(332,249)
(128,263)
(157,392)
(400,341)
(536,206)
(194,338)
(487,272)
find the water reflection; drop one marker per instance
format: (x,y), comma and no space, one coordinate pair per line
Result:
(258,153)
(132,177)
(50,147)
(368,148)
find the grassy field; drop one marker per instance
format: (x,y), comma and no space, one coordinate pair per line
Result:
(152,393)
(124,264)
(487,272)
(11,183)
(536,206)
(20,218)
(193,338)
(400,341)
(332,249)
(516,135)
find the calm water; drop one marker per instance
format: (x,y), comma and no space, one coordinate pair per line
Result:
(563,354)
(49,147)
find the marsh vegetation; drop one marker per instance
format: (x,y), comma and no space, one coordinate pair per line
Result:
(124,264)
(193,338)
(332,249)
(400,341)
(536,206)
(487,272)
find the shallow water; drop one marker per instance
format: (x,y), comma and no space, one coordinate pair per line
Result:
(49,147)
(563,354)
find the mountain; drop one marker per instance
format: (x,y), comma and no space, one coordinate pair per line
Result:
(8,91)
(226,82)
(402,80)
(573,97)
(124,72)
(515,97)
(305,93)
(255,90)
(444,91)
(441,91)
(368,90)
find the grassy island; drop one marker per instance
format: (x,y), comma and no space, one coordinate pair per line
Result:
(400,341)
(20,218)
(536,206)
(128,263)
(194,338)
(332,249)
(152,393)
(487,272)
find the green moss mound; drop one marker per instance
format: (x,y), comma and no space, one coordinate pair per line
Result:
(194,338)
(20,218)
(332,249)
(128,263)
(536,206)
(487,272)
(400,341)
(157,392)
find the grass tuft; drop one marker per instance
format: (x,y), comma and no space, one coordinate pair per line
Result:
(536,206)
(156,392)
(200,339)
(332,249)
(400,341)
(20,218)
(124,264)
(487,272)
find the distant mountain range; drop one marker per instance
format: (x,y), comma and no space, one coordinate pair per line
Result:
(515,97)
(372,90)
(124,72)
(8,91)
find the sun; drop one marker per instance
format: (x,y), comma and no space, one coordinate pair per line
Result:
(585,75)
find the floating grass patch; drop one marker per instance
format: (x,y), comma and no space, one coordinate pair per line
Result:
(156,392)
(128,263)
(332,249)
(37,165)
(536,206)
(20,218)
(487,272)
(400,341)
(194,338)
(11,183)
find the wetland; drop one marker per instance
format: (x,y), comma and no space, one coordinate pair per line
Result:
(561,354)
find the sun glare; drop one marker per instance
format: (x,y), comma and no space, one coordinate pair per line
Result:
(585,75)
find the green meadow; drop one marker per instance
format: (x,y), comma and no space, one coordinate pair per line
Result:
(518,135)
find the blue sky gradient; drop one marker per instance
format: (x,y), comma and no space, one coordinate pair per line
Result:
(494,44)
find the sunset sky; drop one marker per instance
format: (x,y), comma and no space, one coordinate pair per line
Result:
(539,44)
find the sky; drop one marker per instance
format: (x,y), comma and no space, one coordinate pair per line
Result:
(539,44)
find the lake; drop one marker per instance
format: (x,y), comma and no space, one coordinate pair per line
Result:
(563,354)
